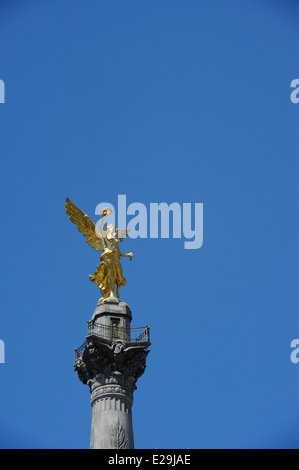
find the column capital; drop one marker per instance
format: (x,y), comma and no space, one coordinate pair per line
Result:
(104,362)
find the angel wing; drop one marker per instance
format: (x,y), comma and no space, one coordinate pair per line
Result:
(85,225)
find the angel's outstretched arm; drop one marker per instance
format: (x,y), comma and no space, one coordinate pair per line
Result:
(127,255)
(105,212)
(103,233)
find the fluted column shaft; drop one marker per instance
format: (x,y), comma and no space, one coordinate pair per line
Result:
(111,426)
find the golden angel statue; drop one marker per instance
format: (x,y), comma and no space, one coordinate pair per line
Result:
(109,274)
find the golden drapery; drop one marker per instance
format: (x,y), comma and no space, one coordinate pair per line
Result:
(109,272)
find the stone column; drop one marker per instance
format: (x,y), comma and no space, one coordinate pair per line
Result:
(112,426)
(110,362)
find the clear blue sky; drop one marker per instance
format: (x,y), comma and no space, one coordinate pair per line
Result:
(164,101)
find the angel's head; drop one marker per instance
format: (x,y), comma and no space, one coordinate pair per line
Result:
(111,229)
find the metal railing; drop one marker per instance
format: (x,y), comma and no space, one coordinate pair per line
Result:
(133,335)
(118,332)
(79,351)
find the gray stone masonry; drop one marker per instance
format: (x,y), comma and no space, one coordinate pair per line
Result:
(110,363)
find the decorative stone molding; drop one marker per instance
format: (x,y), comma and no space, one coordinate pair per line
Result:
(112,404)
(102,363)
(111,392)
(119,438)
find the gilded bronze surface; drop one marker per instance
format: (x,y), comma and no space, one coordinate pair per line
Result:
(108,275)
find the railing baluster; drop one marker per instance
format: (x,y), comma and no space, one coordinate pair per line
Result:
(104,331)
